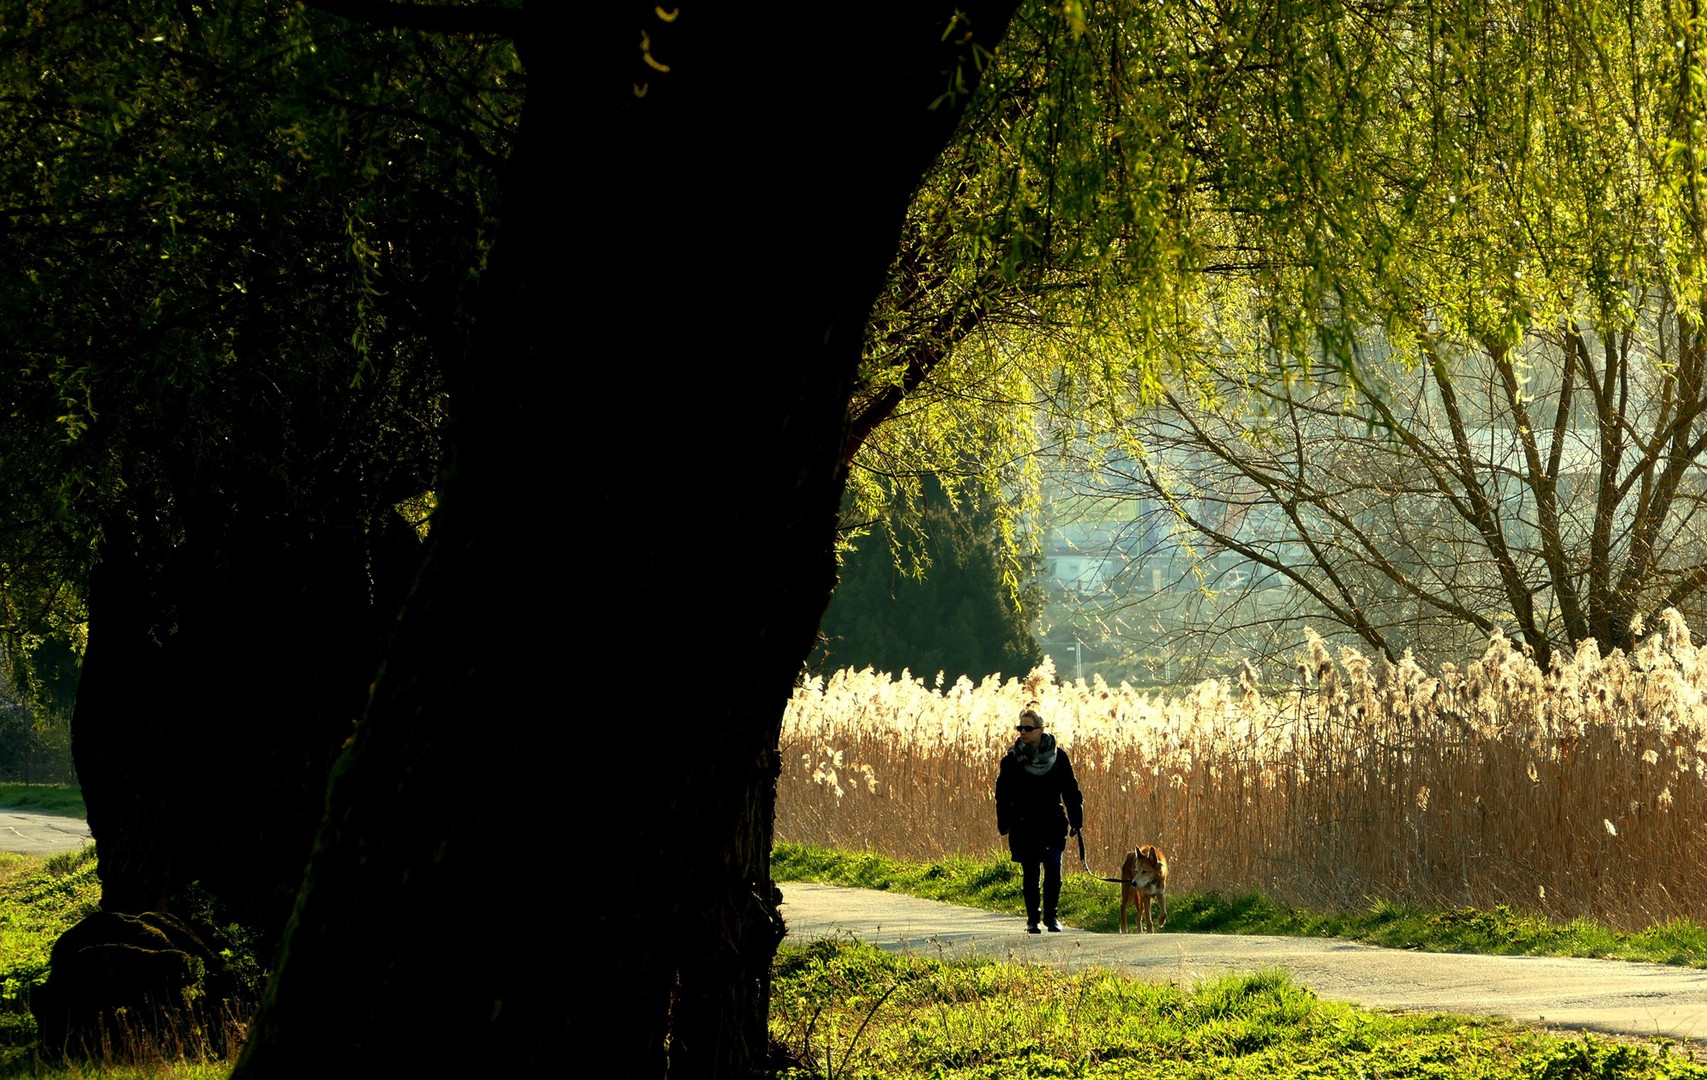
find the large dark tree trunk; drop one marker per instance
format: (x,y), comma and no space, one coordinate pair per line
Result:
(223,674)
(632,552)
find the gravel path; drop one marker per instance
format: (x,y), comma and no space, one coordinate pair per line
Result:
(1601,995)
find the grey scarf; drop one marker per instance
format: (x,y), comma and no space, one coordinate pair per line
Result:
(1037,759)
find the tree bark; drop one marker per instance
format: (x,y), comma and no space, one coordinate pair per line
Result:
(564,785)
(223,674)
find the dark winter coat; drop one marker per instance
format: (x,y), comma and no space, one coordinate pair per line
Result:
(1029,809)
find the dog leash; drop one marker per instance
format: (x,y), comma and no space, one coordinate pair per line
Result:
(1087,866)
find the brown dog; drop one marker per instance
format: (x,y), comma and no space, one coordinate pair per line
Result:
(1144,874)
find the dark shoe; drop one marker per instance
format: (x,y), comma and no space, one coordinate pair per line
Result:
(1053,924)
(1031,927)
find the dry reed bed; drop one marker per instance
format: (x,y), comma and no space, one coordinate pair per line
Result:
(1579,790)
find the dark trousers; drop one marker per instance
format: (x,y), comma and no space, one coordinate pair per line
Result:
(1051,891)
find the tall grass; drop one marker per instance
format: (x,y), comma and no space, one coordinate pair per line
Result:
(1576,791)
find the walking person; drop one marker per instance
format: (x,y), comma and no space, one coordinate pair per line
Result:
(1038,805)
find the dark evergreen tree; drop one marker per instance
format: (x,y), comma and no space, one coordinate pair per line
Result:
(958,616)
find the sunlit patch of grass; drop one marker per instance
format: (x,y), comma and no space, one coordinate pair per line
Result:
(1090,904)
(1500,931)
(843,1009)
(1247,913)
(40,898)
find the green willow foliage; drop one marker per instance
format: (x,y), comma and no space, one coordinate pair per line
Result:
(237,239)
(1142,188)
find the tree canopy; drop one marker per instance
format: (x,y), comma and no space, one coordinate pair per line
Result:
(1232,200)
(241,238)
(238,235)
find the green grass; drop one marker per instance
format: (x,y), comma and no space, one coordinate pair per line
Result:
(1092,904)
(64,799)
(842,1009)
(40,898)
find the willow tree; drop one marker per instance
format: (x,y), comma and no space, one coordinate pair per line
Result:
(1499,419)
(239,241)
(1133,189)
(689,243)
(1250,207)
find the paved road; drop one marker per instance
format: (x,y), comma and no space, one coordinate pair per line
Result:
(1601,995)
(41,834)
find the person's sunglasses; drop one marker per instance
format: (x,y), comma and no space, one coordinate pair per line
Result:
(1026,727)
